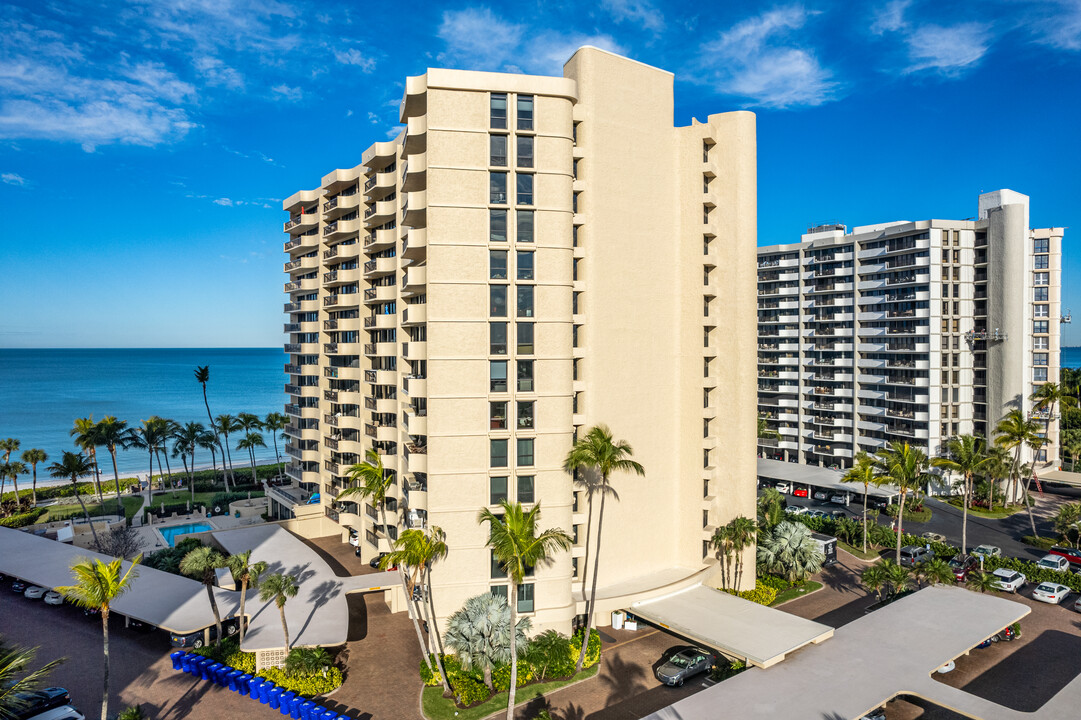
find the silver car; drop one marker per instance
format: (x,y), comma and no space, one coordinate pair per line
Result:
(684,665)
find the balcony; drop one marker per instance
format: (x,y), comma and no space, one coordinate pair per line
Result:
(415,279)
(380,267)
(381,294)
(300,223)
(415,350)
(415,244)
(380,240)
(341,229)
(415,424)
(380,212)
(415,209)
(415,386)
(342,205)
(415,314)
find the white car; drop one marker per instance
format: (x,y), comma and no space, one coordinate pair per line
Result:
(1050,592)
(817,513)
(35,593)
(948,667)
(1009,580)
(783,487)
(987,550)
(54,598)
(840,499)
(1054,562)
(796,510)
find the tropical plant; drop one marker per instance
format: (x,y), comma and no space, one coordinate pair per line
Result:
(598,454)
(898,577)
(223,425)
(85,433)
(1014,432)
(308,661)
(998,467)
(1072,449)
(862,471)
(249,442)
(13,470)
(185,440)
(275,422)
(149,436)
(770,509)
(790,551)
(518,548)
(966,458)
(17,678)
(935,571)
(7,446)
(1066,522)
(73,466)
(32,457)
(479,634)
(201,564)
(249,423)
(874,579)
(202,376)
(764,430)
(247,574)
(279,587)
(981,581)
(905,467)
(550,655)
(112,433)
(97,585)
(730,541)
(135,712)
(1048,395)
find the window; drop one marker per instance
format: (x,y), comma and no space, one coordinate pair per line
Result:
(498,591)
(497,490)
(525,338)
(1039,327)
(524,220)
(705,151)
(1039,358)
(1040,245)
(498,453)
(525,376)
(498,412)
(498,341)
(705,244)
(525,415)
(524,185)
(1041,311)
(525,300)
(705,183)
(525,489)
(705,215)
(705,427)
(1039,374)
(499,111)
(497,569)
(497,264)
(1041,262)
(497,225)
(574,302)
(525,112)
(497,376)
(525,151)
(1040,278)
(525,598)
(1040,343)
(497,145)
(525,265)
(497,188)
(525,452)
(498,294)
(1039,294)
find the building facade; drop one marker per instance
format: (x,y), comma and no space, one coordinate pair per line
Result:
(531,256)
(907,331)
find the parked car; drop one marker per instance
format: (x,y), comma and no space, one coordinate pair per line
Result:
(783,487)
(18,587)
(35,592)
(199,638)
(1077,604)
(54,598)
(354,538)
(800,492)
(879,714)
(987,551)
(39,701)
(821,495)
(1050,592)
(374,564)
(962,565)
(795,509)
(1054,562)
(817,513)
(1072,555)
(839,499)
(64,712)
(1009,580)
(913,555)
(933,537)
(948,667)
(684,665)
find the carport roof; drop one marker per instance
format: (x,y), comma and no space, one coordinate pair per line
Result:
(1061,476)
(818,476)
(739,628)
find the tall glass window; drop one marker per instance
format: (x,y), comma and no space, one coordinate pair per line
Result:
(497,225)
(497,264)
(525,301)
(525,151)
(525,489)
(525,265)
(498,412)
(499,111)
(498,343)
(497,376)
(498,294)
(525,376)
(525,338)
(497,188)
(525,598)
(525,112)
(497,569)
(525,452)
(525,415)
(498,150)
(497,491)
(524,185)
(524,220)
(498,453)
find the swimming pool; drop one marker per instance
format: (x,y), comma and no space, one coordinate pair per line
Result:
(170,533)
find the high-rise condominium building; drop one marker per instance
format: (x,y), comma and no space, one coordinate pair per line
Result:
(907,331)
(530,256)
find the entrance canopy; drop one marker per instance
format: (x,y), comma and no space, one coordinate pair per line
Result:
(1061,476)
(818,477)
(739,628)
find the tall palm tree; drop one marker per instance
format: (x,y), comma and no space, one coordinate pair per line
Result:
(113,433)
(1048,395)
(722,543)
(209,441)
(247,574)
(967,459)
(169,428)
(249,423)
(936,571)
(1073,450)
(223,425)
(202,376)
(479,634)
(97,585)
(279,588)
(13,470)
(790,551)
(1014,432)
(275,422)
(999,465)
(32,457)
(249,442)
(518,548)
(7,446)
(185,441)
(200,564)
(742,533)
(17,678)
(74,466)
(862,471)
(85,433)
(149,436)
(904,466)
(599,453)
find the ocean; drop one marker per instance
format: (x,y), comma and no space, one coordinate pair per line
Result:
(1070,357)
(42,392)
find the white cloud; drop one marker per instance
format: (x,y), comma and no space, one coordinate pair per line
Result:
(224,202)
(292,94)
(947,50)
(1060,25)
(355,57)
(477,39)
(547,53)
(217,73)
(756,59)
(641,12)
(891,17)
(373,118)
(13,179)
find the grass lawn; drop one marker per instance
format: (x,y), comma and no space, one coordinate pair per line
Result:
(871,554)
(131,503)
(998,513)
(918,517)
(436,707)
(794,592)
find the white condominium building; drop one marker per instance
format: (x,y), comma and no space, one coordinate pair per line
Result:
(530,256)
(907,331)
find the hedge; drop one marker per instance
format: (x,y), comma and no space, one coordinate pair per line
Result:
(68,490)
(879,535)
(18,521)
(762,594)
(1033,572)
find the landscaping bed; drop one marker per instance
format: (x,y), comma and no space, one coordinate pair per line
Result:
(301,675)
(437,707)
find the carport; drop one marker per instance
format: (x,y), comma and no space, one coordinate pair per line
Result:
(819,478)
(740,629)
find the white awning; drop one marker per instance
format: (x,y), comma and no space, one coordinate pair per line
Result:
(818,477)
(739,628)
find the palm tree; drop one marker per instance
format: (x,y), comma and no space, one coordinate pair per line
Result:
(111,433)
(862,471)
(1073,450)
(898,577)
(1066,522)
(13,470)
(33,456)
(202,376)
(74,466)
(790,551)
(936,571)
(249,423)
(967,459)
(225,424)
(85,433)
(904,466)
(148,437)
(249,442)
(722,543)
(1014,432)
(97,585)
(764,430)
(998,468)
(17,679)
(770,509)
(518,548)
(602,455)
(874,579)
(169,428)
(308,661)
(185,440)
(279,588)
(247,574)
(275,422)
(479,634)
(981,581)
(1048,395)
(7,446)
(200,564)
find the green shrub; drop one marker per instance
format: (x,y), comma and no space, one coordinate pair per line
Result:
(551,655)
(1033,572)
(28,518)
(762,594)
(501,676)
(470,691)
(431,678)
(593,649)
(307,685)
(135,712)
(1041,542)
(223,499)
(168,559)
(772,581)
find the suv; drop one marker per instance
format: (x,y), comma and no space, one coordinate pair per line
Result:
(1071,554)
(40,701)
(913,555)
(1054,562)
(962,565)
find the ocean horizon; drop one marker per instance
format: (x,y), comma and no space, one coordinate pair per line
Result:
(45,390)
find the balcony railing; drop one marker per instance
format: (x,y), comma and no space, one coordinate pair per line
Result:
(291,369)
(330,227)
(330,348)
(331,395)
(331,324)
(369,183)
(292,347)
(331,253)
(330,300)
(330,276)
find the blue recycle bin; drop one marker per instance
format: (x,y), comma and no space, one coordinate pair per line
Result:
(304,709)
(264,691)
(329,715)
(255,687)
(231,680)
(177,662)
(213,670)
(223,675)
(204,668)
(274,696)
(187,662)
(285,703)
(243,683)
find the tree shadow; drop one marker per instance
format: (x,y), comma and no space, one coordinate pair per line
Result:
(533,708)
(320,595)
(623,679)
(840,578)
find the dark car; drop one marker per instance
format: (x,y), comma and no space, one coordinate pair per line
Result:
(374,564)
(684,665)
(199,638)
(1071,554)
(19,587)
(38,701)
(962,565)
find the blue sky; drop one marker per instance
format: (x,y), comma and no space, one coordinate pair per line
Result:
(145,146)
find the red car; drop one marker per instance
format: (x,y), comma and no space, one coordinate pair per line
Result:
(1071,554)
(799,492)
(962,565)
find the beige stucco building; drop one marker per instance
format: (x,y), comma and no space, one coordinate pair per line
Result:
(531,256)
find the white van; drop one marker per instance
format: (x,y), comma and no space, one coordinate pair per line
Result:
(64,712)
